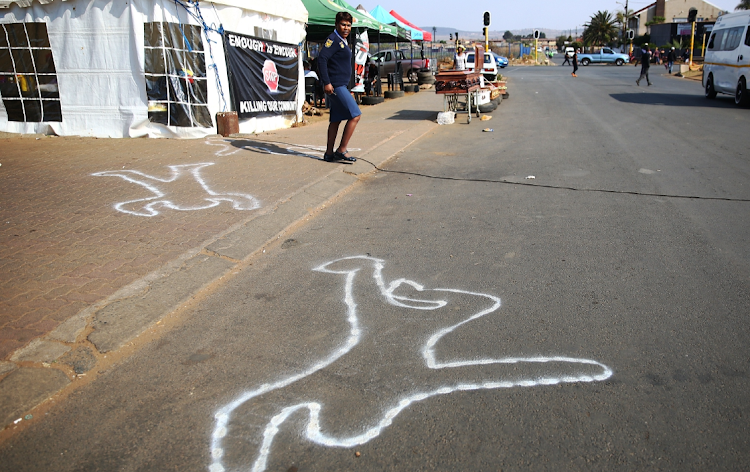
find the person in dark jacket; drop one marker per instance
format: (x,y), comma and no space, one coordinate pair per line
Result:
(575,63)
(645,64)
(335,70)
(372,78)
(671,57)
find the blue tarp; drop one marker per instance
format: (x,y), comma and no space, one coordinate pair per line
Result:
(382,15)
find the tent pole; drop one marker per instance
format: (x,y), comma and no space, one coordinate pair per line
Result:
(411,56)
(380,64)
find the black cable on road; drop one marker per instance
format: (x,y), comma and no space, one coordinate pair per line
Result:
(557,187)
(529,184)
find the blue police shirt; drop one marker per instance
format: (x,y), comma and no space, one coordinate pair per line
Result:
(335,61)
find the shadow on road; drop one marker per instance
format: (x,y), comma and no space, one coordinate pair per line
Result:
(673,100)
(279,149)
(417,115)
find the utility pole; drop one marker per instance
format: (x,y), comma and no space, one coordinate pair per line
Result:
(432,45)
(627,26)
(627,22)
(486,21)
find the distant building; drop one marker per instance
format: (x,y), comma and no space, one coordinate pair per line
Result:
(673,11)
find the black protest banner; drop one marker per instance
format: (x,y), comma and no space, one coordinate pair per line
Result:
(263,75)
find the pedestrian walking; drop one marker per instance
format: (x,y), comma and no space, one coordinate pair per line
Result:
(671,57)
(657,56)
(567,59)
(575,63)
(335,67)
(645,65)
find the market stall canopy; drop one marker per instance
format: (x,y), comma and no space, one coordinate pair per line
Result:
(380,14)
(388,33)
(284,9)
(425,35)
(322,19)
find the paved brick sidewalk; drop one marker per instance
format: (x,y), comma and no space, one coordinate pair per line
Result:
(64,246)
(81,218)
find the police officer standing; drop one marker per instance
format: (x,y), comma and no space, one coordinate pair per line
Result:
(335,67)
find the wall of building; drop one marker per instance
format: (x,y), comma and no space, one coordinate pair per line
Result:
(675,11)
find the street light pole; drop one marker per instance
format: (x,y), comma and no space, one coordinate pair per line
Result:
(626,26)
(432,45)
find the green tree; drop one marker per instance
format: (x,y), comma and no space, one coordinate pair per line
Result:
(600,30)
(657,20)
(507,36)
(560,42)
(743,5)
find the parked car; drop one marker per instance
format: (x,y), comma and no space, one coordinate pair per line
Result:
(726,67)
(489,68)
(570,50)
(409,66)
(605,55)
(501,61)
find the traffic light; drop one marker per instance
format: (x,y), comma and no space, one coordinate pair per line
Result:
(692,13)
(631,34)
(485,31)
(486,18)
(536,34)
(450,36)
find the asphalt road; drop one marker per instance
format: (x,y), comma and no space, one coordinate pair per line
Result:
(451,313)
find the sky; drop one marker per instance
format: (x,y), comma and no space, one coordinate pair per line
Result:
(466,15)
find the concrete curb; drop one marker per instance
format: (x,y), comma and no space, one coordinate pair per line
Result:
(113,323)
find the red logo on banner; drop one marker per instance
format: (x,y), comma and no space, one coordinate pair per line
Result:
(270,75)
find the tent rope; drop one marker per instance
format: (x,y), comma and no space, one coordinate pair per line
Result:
(198,17)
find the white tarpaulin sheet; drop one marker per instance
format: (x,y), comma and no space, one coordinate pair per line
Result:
(101,65)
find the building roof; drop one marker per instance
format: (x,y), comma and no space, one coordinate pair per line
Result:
(653,5)
(645,8)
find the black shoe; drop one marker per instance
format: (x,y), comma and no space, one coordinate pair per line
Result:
(343,157)
(330,157)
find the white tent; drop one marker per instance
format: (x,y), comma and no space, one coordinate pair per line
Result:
(90,68)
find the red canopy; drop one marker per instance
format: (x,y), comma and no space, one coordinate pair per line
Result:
(425,35)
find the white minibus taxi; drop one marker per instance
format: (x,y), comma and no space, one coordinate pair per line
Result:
(726,67)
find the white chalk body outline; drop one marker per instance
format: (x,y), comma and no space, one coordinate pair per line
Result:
(313,432)
(240,201)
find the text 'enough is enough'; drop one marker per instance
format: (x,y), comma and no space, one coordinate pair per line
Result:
(261,46)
